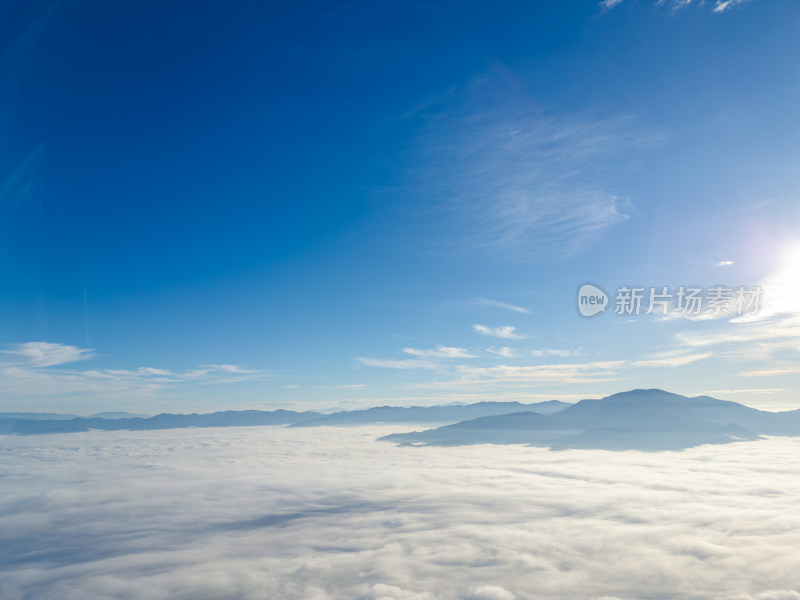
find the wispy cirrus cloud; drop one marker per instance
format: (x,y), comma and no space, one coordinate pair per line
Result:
(507,332)
(510,376)
(526,375)
(220,374)
(505,351)
(203,373)
(766,341)
(46,354)
(671,360)
(753,337)
(556,352)
(718,7)
(403,364)
(771,372)
(440,352)
(505,177)
(500,304)
(38,369)
(723,5)
(746,391)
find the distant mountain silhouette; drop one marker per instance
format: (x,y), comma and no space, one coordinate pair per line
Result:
(227,418)
(35,416)
(638,420)
(117,415)
(431,414)
(384,414)
(40,416)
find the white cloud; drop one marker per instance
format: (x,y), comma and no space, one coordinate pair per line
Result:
(748,391)
(490,592)
(499,304)
(771,372)
(381,591)
(408,363)
(152,371)
(47,354)
(771,336)
(671,361)
(724,263)
(554,352)
(751,338)
(440,352)
(230,369)
(720,6)
(510,375)
(216,374)
(723,5)
(506,332)
(504,351)
(506,179)
(252,513)
(35,370)
(506,377)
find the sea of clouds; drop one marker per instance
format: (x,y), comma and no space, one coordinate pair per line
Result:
(324,513)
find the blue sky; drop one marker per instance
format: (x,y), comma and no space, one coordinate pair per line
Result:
(313,205)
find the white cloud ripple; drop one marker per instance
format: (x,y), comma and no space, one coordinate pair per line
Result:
(328,513)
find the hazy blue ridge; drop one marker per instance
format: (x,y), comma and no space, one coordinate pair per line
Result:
(432,414)
(649,420)
(162,421)
(384,414)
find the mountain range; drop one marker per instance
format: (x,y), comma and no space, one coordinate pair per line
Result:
(432,414)
(32,423)
(635,420)
(60,417)
(650,420)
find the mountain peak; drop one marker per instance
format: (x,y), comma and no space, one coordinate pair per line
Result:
(647,395)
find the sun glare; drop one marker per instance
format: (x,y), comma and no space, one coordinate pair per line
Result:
(782,290)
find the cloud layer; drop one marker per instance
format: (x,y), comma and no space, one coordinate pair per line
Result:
(328,513)
(46,354)
(506,332)
(37,369)
(507,178)
(719,6)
